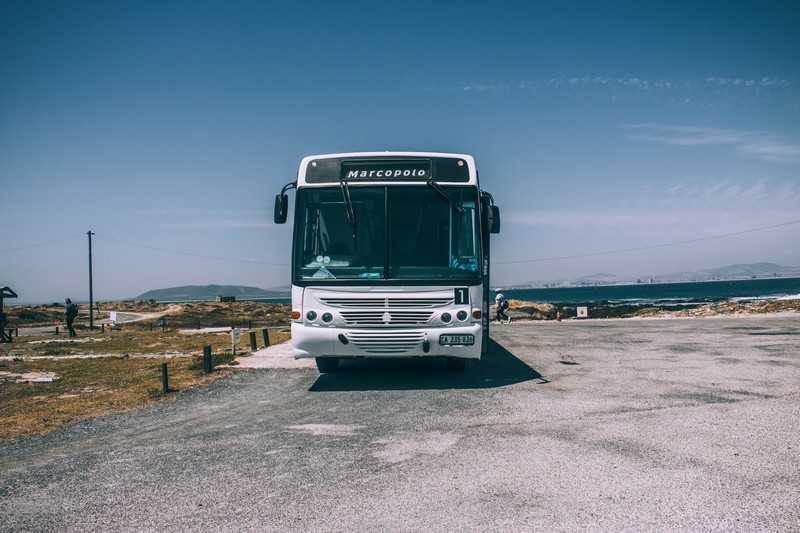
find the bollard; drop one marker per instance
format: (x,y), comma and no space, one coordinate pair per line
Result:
(249,324)
(164,378)
(253,345)
(207,359)
(102,328)
(151,327)
(56,330)
(265,333)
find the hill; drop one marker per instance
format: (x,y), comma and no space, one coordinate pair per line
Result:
(731,272)
(742,271)
(210,292)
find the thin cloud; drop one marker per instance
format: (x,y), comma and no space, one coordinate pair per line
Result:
(768,149)
(755,145)
(652,225)
(734,194)
(704,91)
(220,224)
(191,212)
(749,83)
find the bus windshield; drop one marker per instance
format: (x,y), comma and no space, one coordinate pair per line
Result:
(378,232)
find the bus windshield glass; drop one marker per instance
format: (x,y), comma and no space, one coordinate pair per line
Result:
(378,232)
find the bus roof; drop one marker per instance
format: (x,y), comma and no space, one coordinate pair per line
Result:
(358,168)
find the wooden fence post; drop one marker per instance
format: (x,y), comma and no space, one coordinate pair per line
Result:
(265,333)
(207,359)
(164,378)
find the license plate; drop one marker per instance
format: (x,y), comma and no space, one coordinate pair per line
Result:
(456,340)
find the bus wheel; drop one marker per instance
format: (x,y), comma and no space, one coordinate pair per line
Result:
(327,364)
(456,364)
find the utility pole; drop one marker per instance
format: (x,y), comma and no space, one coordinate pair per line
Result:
(91,295)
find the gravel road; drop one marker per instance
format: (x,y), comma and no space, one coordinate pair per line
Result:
(645,425)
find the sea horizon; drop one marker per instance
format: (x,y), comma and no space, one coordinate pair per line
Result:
(664,293)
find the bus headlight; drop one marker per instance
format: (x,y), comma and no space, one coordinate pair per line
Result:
(462,315)
(446,317)
(327,317)
(311,316)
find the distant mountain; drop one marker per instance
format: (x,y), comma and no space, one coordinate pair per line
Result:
(600,276)
(731,272)
(210,292)
(759,270)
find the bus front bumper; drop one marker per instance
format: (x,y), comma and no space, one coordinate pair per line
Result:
(315,341)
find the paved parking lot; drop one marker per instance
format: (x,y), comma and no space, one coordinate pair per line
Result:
(656,425)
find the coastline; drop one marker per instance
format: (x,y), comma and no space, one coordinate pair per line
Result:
(532,311)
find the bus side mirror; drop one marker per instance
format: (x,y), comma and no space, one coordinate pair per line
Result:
(281,208)
(493,219)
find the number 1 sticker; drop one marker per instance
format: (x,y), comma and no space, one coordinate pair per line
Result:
(461,296)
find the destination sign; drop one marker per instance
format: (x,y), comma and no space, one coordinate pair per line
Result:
(386,170)
(390,169)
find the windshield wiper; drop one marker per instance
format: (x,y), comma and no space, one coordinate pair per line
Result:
(449,199)
(351,212)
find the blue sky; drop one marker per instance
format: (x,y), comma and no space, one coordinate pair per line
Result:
(169,127)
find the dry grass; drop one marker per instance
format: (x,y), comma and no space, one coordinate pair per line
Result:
(120,369)
(187,315)
(131,342)
(37,315)
(86,388)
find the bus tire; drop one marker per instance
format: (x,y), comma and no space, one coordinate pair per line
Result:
(327,364)
(456,364)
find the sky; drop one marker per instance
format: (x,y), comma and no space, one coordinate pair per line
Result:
(630,138)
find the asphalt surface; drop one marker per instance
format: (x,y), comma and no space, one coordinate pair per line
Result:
(638,425)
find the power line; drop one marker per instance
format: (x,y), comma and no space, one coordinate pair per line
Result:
(663,245)
(540,260)
(190,254)
(40,244)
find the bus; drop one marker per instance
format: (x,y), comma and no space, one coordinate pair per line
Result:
(390,257)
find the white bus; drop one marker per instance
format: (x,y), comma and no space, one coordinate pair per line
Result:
(390,257)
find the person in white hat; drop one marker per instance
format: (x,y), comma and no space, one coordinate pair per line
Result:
(500,306)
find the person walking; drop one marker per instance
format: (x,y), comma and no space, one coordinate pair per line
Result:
(71,312)
(500,306)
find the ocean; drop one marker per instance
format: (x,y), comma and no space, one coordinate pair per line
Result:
(657,294)
(665,294)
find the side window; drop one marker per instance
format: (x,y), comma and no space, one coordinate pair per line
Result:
(465,249)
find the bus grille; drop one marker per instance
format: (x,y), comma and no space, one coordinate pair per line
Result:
(391,303)
(386,342)
(386,318)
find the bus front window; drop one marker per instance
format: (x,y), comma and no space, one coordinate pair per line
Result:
(406,232)
(430,239)
(328,246)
